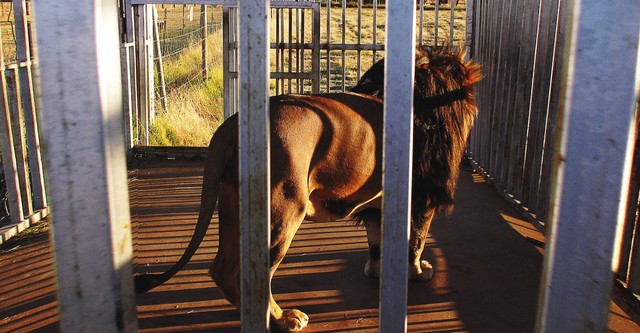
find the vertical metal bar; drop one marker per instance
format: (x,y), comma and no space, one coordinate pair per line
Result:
(344,41)
(20,147)
(158,62)
(329,49)
(598,87)
(254,164)
(375,29)
(421,23)
(470,30)
(82,126)
(397,163)
(316,49)
(436,21)
(359,65)
(129,61)
(283,60)
(452,4)
(142,14)
(290,59)
(279,33)
(226,65)
(23,56)
(300,13)
(204,24)
(10,163)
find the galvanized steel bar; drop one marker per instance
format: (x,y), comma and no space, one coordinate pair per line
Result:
(328,34)
(254,164)
(25,81)
(599,85)
(10,163)
(19,143)
(344,41)
(375,29)
(397,163)
(420,21)
(452,4)
(315,54)
(82,126)
(436,22)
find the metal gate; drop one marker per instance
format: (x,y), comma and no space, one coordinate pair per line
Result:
(580,251)
(19,137)
(315,46)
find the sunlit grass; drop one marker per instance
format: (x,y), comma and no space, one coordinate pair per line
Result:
(195,107)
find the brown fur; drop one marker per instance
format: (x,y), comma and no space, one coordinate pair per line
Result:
(326,155)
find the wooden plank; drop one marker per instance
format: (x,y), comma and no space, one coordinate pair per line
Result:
(592,164)
(81,118)
(254,164)
(397,164)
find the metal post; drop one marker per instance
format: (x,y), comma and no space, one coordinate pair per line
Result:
(81,119)
(592,163)
(254,164)
(23,54)
(397,151)
(7,145)
(204,27)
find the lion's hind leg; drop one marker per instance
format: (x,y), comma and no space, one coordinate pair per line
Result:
(288,208)
(419,270)
(371,218)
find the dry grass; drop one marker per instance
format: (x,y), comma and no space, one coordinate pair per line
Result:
(196,110)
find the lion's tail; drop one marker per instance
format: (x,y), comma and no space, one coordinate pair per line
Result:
(218,156)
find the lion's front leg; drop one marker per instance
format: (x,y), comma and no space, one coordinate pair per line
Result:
(371,220)
(420,270)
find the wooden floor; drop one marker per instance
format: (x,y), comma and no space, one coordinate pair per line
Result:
(487,260)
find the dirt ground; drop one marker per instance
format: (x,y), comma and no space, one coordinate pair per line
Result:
(487,259)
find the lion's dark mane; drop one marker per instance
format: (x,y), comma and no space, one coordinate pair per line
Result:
(444,110)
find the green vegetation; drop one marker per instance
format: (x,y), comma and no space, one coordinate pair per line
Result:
(195,106)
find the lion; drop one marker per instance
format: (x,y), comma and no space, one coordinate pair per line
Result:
(326,153)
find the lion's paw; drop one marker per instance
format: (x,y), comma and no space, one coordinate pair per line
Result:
(372,269)
(292,320)
(424,272)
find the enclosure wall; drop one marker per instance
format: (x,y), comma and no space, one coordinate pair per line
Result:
(511,143)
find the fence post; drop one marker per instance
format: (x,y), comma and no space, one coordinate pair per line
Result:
(81,118)
(592,164)
(397,163)
(203,24)
(255,200)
